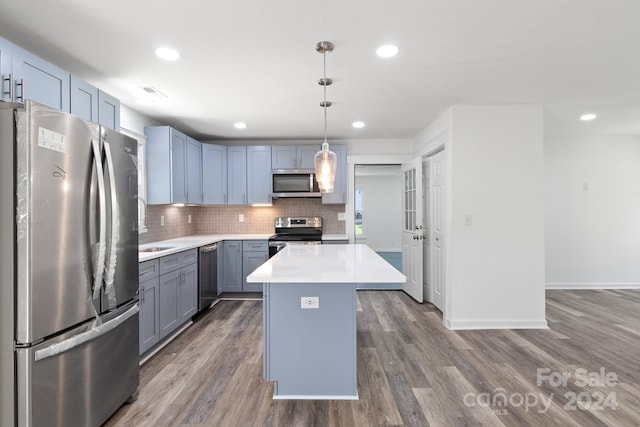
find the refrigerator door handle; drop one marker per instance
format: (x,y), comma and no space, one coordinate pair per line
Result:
(101,246)
(83,337)
(110,265)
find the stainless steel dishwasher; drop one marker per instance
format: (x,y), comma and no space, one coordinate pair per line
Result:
(208,277)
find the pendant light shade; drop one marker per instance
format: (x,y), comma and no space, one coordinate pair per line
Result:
(325,160)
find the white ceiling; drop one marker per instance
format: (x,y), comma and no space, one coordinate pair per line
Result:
(255,60)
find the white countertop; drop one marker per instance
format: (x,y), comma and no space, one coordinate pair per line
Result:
(326,264)
(190,242)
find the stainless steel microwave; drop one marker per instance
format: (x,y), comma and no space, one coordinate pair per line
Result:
(295,183)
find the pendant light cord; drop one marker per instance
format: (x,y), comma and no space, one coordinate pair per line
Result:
(324,60)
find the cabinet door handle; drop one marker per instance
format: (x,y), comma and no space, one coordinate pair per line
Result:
(21,84)
(10,80)
(142,294)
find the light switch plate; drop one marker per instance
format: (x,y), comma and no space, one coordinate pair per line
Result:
(341,216)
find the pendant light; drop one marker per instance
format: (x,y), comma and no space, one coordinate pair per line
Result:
(325,160)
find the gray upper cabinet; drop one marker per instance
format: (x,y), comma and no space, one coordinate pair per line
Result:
(293,156)
(178,154)
(194,171)
(259,174)
(339,195)
(36,79)
(174,167)
(108,111)
(237,175)
(26,76)
(84,99)
(214,174)
(305,155)
(94,105)
(6,71)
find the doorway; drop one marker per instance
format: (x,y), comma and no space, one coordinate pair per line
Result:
(377,214)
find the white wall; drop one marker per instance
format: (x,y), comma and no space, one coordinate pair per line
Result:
(495,267)
(382,204)
(133,121)
(592,212)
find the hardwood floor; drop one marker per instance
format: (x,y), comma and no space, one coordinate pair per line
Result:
(411,370)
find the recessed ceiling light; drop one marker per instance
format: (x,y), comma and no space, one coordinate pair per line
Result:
(587,117)
(387,51)
(358,125)
(240,125)
(167,53)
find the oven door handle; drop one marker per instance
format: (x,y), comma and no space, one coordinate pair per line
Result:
(312,242)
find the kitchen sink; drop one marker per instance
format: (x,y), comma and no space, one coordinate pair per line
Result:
(156,249)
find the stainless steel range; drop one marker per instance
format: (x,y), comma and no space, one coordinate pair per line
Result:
(295,231)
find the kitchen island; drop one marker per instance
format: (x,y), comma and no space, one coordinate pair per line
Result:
(310,317)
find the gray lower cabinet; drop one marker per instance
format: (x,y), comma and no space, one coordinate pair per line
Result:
(169,311)
(178,287)
(239,259)
(149,302)
(254,254)
(232,266)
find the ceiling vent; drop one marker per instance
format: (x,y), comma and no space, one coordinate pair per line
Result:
(153,92)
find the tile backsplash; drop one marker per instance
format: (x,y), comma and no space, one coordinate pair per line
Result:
(225,219)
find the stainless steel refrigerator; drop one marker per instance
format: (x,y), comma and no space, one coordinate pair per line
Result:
(68,269)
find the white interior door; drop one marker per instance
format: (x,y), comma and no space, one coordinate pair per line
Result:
(412,230)
(426,221)
(436,235)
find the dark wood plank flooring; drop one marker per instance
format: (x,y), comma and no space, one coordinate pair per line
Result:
(412,371)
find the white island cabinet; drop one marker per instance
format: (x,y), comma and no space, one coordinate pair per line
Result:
(310,317)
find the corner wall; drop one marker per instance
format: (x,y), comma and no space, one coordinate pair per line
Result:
(494,274)
(592,210)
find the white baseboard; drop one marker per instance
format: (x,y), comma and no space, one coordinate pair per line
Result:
(495,324)
(314,397)
(571,285)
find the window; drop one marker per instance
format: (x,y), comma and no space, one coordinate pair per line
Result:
(359,209)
